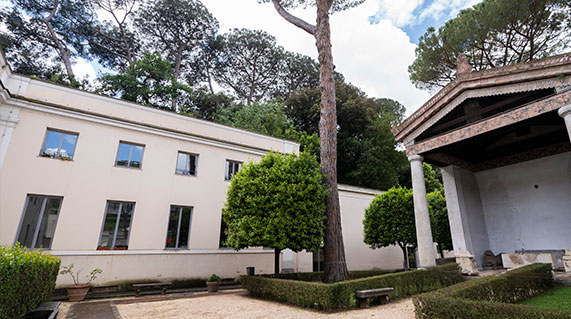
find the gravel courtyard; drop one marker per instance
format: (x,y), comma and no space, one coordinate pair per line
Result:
(240,305)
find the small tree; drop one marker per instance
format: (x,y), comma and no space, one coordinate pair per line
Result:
(389,220)
(439,220)
(278,202)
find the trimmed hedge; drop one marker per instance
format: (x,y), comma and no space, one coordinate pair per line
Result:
(491,297)
(317,276)
(27,278)
(342,294)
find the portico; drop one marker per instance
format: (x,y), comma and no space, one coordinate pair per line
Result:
(502,140)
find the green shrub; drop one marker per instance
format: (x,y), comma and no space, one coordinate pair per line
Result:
(27,278)
(491,297)
(318,275)
(342,294)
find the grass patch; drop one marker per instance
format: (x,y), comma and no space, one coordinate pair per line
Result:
(558,297)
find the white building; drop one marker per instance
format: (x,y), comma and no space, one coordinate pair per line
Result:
(133,190)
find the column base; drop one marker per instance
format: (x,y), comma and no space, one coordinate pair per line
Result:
(567,261)
(466,262)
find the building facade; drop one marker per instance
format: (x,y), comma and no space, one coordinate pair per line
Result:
(132,190)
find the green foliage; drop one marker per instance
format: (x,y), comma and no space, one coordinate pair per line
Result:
(147,81)
(366,147)
(278,202)
(214,278)
(68,270)
(558,297)
(317,276)
(264,118)
(389,220)
(491,297)
(439,220)
(432,178)
(342,294)
(28,278)
(493,33)
(336,5)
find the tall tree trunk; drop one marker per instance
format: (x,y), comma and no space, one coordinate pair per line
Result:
(277,261)
(405,257)
(64,53)
(334,252)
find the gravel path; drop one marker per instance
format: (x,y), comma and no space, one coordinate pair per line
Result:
(240,305)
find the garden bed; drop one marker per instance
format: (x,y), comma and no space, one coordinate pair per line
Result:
(492,297)
(558,297)
(342,294)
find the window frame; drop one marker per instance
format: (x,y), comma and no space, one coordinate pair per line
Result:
(227,175)
(63,132)
(112,247)
(130,155)
(45,199)
(195,163)
(179,208)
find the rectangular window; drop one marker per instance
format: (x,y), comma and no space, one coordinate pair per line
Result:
(39,221)
(130,155)
(116,226)
(232,167)
(186,164)
(58,144)
(179,227)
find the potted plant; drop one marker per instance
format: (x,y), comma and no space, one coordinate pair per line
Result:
(213,283)
(77,291)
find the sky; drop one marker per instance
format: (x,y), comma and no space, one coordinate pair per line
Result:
(373,44)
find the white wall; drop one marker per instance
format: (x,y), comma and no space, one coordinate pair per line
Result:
(520,216)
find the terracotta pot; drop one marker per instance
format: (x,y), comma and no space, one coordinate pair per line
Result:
(77,292)
(213,286)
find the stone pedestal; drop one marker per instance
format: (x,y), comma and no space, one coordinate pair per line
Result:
(565,113)
(567,261)
(466,262)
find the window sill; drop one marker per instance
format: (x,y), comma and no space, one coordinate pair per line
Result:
(187,175)
(129,167)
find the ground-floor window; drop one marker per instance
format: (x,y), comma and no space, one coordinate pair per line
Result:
(39,221)
(116,226)
(179,227)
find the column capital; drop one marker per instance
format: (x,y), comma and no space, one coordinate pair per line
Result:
(564,111)
(413,158)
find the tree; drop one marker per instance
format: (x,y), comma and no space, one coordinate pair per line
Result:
(114,42)
(439,220)
(493,33)
(334,251)
(278,202)
(178,29)
(148,81)
(264,118)
(249,64)
(297,72)
(48,25)
(389,220)
(432,178)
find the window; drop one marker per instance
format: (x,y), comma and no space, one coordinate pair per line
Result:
(39,221)
(59,144)
(186,164)
(232,167)
(129,155)
(179,227)
(116,226)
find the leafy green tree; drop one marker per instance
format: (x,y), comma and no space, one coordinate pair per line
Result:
(389,220)
(249,64)
(334,250)
(46,27)
(148,81)
(278,202)
(216,107)
(264,118)
(297,72)
(493,33)
(432,178)
(439,220)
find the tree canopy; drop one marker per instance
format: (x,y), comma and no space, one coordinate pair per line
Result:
(439,220)
(493,33)
(278,202)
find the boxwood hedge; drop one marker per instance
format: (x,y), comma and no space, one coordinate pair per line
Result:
(27,278)
(318,275)
(491,297)
(342,294)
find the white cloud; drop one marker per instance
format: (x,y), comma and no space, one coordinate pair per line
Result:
(373,57)
(445,9)
(83,69)
(399,12)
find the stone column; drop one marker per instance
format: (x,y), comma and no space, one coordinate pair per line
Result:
(565,113)
(426,253)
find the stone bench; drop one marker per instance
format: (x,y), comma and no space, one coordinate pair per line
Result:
(364,295)
(163,285)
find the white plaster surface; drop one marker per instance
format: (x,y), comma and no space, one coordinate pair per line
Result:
(520,216)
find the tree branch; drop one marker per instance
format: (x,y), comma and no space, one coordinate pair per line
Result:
(309,28)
